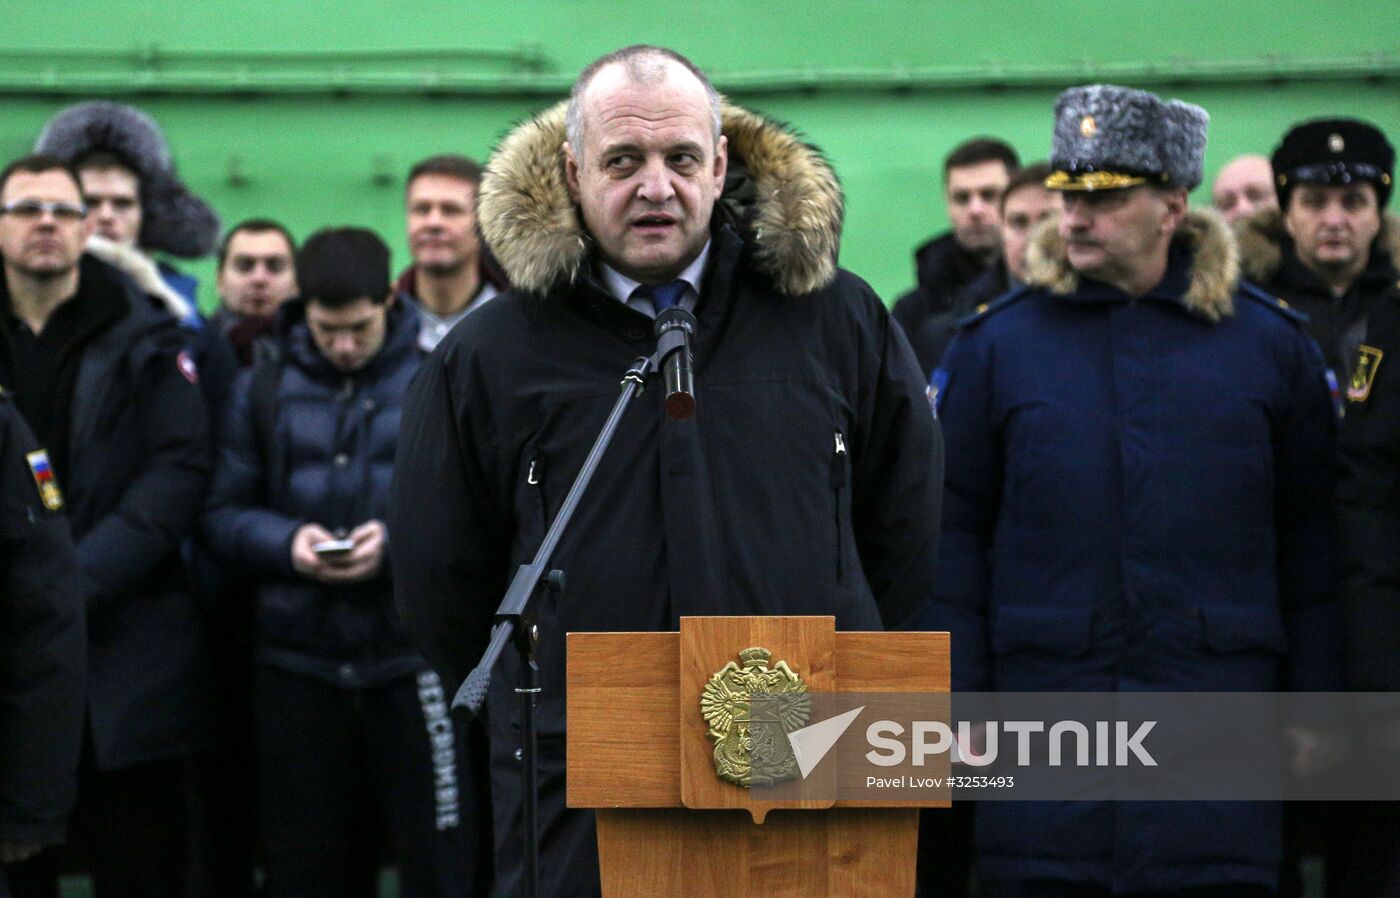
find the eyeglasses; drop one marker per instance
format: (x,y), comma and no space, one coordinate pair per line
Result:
(33,210)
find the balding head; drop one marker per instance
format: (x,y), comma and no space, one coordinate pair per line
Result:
(641,64)
(645,162)
(1243,187)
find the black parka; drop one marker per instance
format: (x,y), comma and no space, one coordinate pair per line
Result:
(139,459)
(806,483)
(42,645)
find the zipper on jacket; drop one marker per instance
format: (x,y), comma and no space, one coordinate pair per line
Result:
(838,483)
(534,479)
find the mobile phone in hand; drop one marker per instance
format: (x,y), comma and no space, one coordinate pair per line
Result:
(333,548)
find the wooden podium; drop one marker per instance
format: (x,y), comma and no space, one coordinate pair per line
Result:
(638,753)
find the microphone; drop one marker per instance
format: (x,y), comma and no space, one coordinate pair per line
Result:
(674,328)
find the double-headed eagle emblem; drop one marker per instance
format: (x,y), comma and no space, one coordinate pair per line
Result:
(750,710)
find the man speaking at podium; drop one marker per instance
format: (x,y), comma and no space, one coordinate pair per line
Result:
(806,482)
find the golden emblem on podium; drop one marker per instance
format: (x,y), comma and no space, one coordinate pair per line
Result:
(751,745)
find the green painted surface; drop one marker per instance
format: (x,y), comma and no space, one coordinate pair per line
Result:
(319,107)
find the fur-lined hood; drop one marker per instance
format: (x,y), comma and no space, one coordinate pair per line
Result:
(779,189)
(173,218)
(139,267)
(1262,236)
(1215,266)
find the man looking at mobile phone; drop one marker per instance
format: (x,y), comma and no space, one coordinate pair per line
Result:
(351,724)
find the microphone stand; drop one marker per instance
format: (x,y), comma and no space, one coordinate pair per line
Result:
(516,624)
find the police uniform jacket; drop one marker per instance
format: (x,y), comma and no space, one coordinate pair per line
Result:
(806,483)
(1338,323)
(138,467)
(1368,503)
(324,455)
(42,645)
(1136,500)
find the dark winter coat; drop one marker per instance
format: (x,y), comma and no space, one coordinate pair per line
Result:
(943,268)
(1368,506)
(807,481)
(139,460)
(43,650)
(930,337)
(1137,500)
(327,459)
(1338,323)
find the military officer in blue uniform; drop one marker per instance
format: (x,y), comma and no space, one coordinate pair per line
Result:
(1135,496)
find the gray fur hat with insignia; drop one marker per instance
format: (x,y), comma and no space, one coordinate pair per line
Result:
(173,219)
(1109,137)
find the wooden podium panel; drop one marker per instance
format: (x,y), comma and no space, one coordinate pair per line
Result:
(638,753)
(623,744)
(841,853)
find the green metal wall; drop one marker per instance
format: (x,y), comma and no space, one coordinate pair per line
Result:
(312,111)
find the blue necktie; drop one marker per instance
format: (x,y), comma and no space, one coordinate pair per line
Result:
(662,296)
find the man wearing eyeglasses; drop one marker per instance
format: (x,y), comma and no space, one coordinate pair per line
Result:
(102,375)
(256,275)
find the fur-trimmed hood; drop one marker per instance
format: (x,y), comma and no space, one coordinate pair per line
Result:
(1215,264)
(173,218)
(780,190)
(1262,236)
(139,267)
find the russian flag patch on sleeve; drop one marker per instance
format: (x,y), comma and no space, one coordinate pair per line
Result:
(43,478)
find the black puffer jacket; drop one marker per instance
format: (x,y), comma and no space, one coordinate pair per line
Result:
(327,460)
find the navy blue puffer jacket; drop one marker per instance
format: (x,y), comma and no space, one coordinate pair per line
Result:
(328,460)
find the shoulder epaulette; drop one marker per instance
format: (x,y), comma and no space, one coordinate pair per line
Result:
(4,394)
(1265,298)
(988,308)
